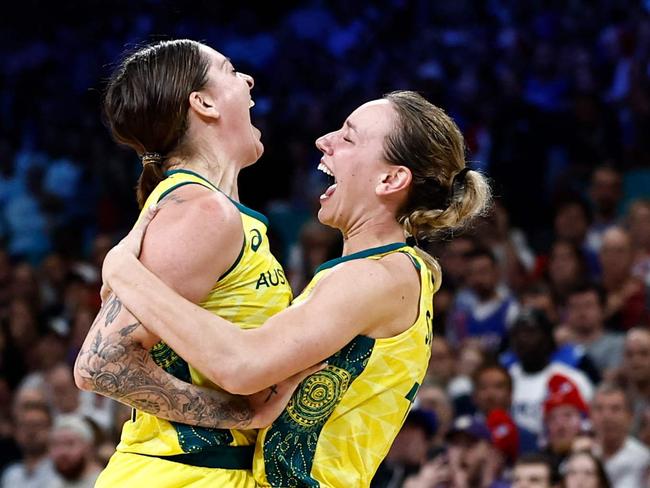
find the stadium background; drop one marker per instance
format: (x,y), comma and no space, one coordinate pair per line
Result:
(553,98)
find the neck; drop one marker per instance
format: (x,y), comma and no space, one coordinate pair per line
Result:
(605,216)
(32,461)
(611,446)
(223,176)
(641,388)
(614,281)
(484,298)
(371,234)
(587,336)
(532,368)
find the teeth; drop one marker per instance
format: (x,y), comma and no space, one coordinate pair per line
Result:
(325,170)
(251,104)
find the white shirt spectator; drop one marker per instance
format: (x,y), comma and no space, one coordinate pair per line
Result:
(628,467)
(17,476)
(530,390)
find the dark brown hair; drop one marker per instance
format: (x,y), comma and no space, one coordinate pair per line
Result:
(147,100)
(601,473)
(428,142)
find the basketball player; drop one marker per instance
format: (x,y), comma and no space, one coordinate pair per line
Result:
(184,108)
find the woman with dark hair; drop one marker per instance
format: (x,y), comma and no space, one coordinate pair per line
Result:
(567,267)
(185,110)
(398,169)
(584,470)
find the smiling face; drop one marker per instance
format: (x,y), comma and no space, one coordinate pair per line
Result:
(225,103)
(354,157)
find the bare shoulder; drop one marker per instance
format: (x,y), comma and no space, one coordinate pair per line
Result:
(380,288)
(195,237)
(193,204)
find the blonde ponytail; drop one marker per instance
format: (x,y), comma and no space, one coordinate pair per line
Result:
(444,195)
(471,201)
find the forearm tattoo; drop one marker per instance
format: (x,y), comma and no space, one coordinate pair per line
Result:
(117,366)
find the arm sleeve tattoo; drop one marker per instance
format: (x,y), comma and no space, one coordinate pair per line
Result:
(116,365)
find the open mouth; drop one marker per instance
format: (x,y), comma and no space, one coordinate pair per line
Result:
(332,187)
(251,104)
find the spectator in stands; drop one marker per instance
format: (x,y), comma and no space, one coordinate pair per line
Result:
(433,398)
(567,268)
(635,371)
(584,470)
(533,344)
(539,295)
(533,471)
(492,391)
(585,321)
(442,363)
(35,470)
(626,299)
(626,459)
(605,192)
(409,452)
(509,246)
(454,260)
(572,220)
(565,413)
(473,460)
(72,453)
(638,223)
(483,311)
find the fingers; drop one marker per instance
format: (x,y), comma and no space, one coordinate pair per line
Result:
(145,220)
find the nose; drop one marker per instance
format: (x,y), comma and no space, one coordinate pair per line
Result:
(249,79)
(323,144)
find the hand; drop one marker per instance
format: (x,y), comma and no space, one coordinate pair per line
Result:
(268,404)
(131,245)
(432,474)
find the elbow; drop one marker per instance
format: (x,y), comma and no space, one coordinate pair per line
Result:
(82,381)
(238,378)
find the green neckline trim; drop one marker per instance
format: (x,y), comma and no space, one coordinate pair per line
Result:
(240,206)
(361,254)
(188,172)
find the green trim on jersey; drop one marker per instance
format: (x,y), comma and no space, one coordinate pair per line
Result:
(191,439)
(183,183)
(240,206)
(289,443)
(361,254)
(188,172)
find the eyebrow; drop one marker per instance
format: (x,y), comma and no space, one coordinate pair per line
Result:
(351,126)
(223,63)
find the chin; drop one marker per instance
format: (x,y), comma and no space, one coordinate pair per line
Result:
(255,155)
(326,219)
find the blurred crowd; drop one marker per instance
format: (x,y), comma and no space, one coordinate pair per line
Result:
(540,370)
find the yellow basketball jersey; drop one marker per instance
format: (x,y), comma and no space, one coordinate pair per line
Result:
(341,421)
(251,291)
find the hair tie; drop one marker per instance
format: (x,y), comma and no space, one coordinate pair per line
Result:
(457,183)
(151,158)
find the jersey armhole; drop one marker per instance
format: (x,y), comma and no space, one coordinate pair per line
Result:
(236,262)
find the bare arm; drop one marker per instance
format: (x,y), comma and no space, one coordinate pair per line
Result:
(114,363)
(356,298)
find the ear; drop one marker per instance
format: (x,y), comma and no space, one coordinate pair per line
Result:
(394,180)
(204,105)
